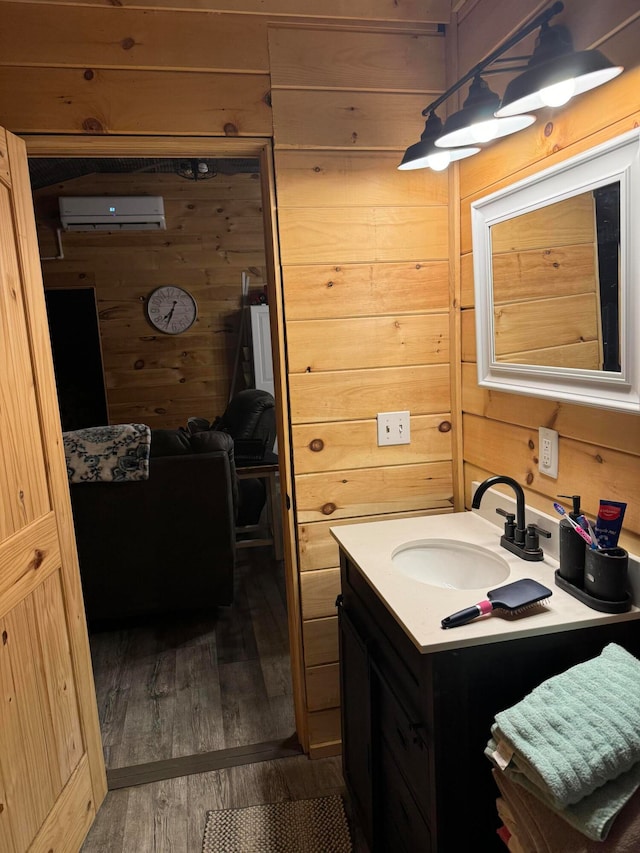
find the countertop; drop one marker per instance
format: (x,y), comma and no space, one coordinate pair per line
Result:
(419,607)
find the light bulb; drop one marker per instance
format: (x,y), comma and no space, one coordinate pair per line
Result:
(484,131)
(559,93)
(439,161)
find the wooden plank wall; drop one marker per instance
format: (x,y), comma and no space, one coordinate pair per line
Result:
(599,451)
(214,233)
(364,252)
(340,87)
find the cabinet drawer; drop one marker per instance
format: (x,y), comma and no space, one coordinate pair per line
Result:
(407,738)
(403,827)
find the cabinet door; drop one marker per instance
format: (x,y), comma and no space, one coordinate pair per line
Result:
(356,720)
(52,776)
(402,826)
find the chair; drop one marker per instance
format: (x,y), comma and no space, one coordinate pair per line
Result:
(250,420)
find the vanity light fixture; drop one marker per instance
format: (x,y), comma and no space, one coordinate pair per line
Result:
(425,155)
(554,73)
(476,121)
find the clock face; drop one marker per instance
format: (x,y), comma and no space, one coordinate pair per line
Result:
(171,310)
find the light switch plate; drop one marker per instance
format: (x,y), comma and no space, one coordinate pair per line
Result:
(548,452)
(393,428)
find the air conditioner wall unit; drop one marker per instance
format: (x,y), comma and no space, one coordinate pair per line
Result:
(112,213)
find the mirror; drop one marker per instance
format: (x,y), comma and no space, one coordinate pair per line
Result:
(557,280)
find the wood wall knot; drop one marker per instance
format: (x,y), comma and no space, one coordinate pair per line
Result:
(127,43)
(5,637)
(328,509)
(599,458)
(230,129)
(92,125)
(548,128)
(316,445)
(329,284)
(444,426)
(532,445)
(38,559)
(529,478)
(138,364)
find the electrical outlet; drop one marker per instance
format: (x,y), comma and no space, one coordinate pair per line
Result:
(548,452)
(393,428)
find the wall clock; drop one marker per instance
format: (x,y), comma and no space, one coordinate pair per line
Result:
(171,309)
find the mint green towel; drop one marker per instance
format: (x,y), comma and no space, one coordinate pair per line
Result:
(593,815)
(577,730)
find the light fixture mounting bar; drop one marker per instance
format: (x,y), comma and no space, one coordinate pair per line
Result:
(540,20)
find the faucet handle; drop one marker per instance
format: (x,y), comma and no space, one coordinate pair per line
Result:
(535,529)
(531,541)
(506,514)
(510,523)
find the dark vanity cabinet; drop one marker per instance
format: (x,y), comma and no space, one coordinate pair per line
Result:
(415,725)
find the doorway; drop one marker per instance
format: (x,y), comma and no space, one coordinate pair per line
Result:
(253,564)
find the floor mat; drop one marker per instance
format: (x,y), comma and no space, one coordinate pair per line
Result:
(317,825)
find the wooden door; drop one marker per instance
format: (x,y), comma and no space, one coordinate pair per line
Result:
(52,777)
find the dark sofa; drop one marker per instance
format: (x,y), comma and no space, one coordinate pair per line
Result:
(163,545)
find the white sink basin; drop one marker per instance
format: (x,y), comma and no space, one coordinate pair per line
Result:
(450,564)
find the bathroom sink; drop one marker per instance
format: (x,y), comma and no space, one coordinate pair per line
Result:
(450,564)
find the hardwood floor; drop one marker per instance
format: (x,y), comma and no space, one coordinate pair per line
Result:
(186,686)
(169,816)
(193,686)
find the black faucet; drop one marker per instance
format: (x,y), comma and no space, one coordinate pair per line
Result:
(519,537)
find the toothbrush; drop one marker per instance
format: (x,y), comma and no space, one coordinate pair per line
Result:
(562,511)
(594,539)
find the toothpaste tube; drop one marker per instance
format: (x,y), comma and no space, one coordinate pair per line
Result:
(609,523)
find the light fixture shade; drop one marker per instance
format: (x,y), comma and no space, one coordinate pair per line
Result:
(476,122)
(555,74)
(425,155)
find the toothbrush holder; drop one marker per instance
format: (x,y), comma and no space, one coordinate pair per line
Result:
(605,573)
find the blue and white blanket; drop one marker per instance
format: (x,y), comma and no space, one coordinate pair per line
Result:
(117,453)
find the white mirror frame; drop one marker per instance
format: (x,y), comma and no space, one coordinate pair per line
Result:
(615,160)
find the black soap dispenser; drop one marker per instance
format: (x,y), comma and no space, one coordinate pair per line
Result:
(572,546)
